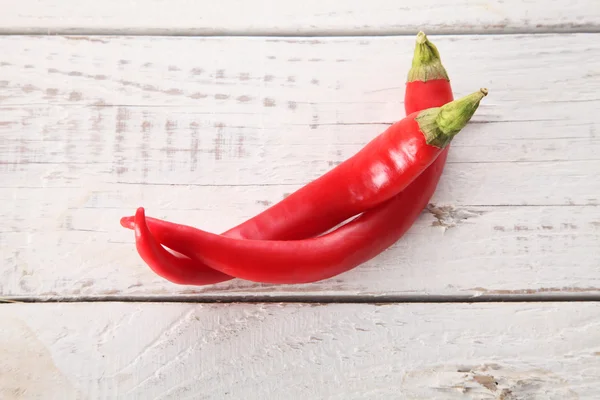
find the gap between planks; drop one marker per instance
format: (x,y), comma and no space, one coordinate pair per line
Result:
(283,33)
(322,299)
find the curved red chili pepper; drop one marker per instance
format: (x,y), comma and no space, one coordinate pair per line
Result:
(309,260)
(427,86)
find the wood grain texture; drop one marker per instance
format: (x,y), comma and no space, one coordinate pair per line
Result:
(533,351)
(211,131)
(313,17)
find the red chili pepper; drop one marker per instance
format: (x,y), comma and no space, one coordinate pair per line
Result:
(427,86)
(421,134)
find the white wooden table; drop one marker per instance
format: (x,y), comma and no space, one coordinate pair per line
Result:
(206,114)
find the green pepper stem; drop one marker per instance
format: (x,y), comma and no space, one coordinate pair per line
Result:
(426,63)
(441,124)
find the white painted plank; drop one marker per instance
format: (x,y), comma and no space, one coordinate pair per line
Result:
(464,251)
(96,128)
(313,104)
(297,18)
(531,351)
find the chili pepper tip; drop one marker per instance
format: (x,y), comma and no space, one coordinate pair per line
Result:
(421,37)
(140,213)
(140,221)
(127,222)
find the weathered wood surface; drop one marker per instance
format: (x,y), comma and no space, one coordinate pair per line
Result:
(310,17)
(533,351)
(211,131)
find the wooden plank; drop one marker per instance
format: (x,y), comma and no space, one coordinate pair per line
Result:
(97,128)
(272,17)
(450,251)
(336,351)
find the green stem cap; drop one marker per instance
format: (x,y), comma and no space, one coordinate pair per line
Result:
(426,63)
(441,124)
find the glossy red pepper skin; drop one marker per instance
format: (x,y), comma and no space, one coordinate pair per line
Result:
(421,95)
(382,168)
(178,269)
